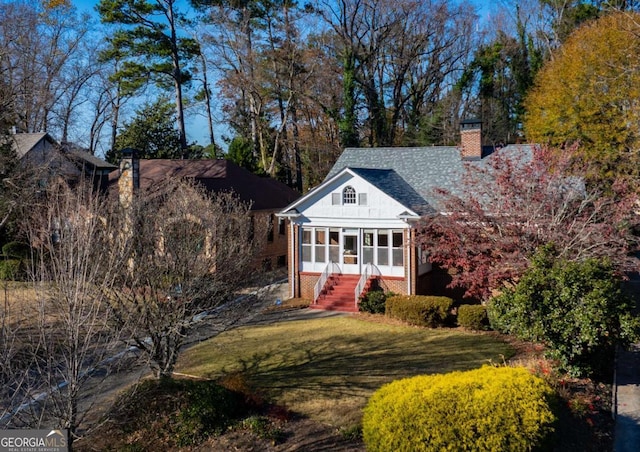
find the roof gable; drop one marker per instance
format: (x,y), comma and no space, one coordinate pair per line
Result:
(424,169)
(410,175)
(390,183)
(25,142)
(386,197)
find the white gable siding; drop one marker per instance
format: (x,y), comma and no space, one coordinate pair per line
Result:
(380,210)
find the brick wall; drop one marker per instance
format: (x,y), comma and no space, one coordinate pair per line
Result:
(395,285)
(471,142)
(307,283)
(272,253)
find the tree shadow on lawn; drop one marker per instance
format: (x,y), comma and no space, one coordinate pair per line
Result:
(336,369)
(326,363)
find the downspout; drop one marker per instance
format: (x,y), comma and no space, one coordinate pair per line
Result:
(294,261)
(409,266)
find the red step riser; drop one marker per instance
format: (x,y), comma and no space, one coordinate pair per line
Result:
(335,305)
(338,294)
(345,294)
(335,308)
(337,301)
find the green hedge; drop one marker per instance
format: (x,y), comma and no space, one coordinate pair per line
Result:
(487,409)
(373,302)
(420,310)
(210,410)
(473,317)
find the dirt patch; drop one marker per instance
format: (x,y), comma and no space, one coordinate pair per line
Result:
(296,435)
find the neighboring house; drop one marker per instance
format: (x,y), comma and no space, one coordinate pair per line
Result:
(359,224)
(266,195)
(41,152)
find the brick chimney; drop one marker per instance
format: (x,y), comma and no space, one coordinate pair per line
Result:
(471,139)
(129,180)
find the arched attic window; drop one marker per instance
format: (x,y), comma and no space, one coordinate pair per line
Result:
(349,195)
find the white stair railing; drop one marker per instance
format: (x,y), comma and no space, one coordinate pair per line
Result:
(330,269)
(369,271)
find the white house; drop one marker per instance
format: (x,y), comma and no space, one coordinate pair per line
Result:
(359,224)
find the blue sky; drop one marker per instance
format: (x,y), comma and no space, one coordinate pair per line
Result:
(85,5)
(196,125)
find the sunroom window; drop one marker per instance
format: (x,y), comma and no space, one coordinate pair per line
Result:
(306,245)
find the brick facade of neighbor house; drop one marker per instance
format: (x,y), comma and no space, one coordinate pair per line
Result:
(267,196)
(274,251)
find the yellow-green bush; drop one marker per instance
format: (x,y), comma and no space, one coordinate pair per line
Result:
(473,316)
(487,409)
(420,310)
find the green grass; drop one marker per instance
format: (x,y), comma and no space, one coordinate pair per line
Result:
(327,368)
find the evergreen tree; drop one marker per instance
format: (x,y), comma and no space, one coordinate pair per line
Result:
(150,43)
(151,132)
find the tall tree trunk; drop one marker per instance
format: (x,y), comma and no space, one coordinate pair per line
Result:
(177,78)
(207,100)
(347,125)
(115,117)
(296,150)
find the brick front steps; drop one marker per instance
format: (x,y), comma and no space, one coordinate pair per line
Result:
(338,294)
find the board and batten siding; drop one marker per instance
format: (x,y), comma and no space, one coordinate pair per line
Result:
(380,210)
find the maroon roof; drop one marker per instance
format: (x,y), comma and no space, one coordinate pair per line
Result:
(217,175)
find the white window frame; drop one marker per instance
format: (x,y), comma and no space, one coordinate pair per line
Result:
(349,195)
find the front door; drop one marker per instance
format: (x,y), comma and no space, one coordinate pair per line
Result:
(350,252)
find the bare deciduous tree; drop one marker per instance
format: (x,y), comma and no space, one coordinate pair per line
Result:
(404,58)
(187,252)
(70,333)
(40,46)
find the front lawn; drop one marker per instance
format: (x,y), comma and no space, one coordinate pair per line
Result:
(327,368)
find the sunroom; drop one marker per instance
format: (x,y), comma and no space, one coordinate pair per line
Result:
(350,229)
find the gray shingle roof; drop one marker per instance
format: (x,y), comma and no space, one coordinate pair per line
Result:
(24,142)
(92,160)
(411,175)
(395,186)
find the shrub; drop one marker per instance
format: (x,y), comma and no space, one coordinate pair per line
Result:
(13,261)
(11,269)
(420,310)
(484,409)
(373,302)
(16,250)
(210,409)
(264,428)
(577,309)
(473,317)
(173,413)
